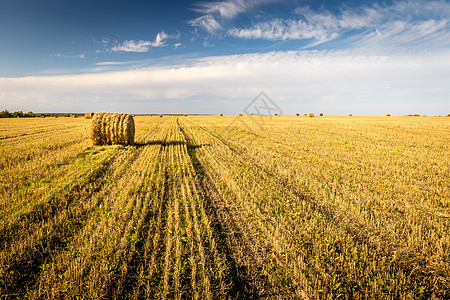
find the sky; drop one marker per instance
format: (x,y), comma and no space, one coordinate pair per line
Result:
(211,57)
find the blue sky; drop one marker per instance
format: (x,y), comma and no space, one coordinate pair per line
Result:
(335,57)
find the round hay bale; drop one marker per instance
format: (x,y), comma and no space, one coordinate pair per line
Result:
(276,114)
(388,115)
(305,115)
(350,115)
(311,115)
(321,115)
(160,116)
(240,115)
(297,114)
(185,115)
(88,115)
(221,115)
(112,129)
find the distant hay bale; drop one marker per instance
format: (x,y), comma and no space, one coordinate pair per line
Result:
(388,115)
(350,115)
(196,114)
(112,129)
(321,115)
(311,115)
(160,116)
(276,114)
(251,114)
(221,115)
(305,115)
(297,114)
(185,115)
(88,115)
(240,115)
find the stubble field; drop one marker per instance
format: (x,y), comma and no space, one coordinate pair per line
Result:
(210,207)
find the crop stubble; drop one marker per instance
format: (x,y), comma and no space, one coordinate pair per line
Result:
(311,208)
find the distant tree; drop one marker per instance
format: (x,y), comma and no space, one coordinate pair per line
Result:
(5,114)
(17,114)
(30,114)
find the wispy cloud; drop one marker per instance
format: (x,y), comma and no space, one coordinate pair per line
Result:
(111,63)
(216,12)
(132,46)
(141,46)
(207,22)
(59,55)
(334,82)
(402,23)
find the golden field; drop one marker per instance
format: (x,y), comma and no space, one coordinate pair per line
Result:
(210,207)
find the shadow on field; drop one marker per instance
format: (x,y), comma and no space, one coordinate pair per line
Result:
(239,277)
(170,143)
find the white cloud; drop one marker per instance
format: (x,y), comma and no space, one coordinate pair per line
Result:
(59,55)
(334,82)
(279,29)
(225,9)
(132,46)
(207,22)
(215,12)
(141,46)
(111,63)
(401,24)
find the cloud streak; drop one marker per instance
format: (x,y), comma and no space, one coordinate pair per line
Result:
(334,82)
(141,46)
(215,13)
(59,55)
(401,24)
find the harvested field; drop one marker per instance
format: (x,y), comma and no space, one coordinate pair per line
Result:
(222,207)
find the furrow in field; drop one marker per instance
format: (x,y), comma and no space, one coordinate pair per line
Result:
(246,251)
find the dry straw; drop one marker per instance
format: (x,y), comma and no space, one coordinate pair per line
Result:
(111,129)
(311,115)
(88,115)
